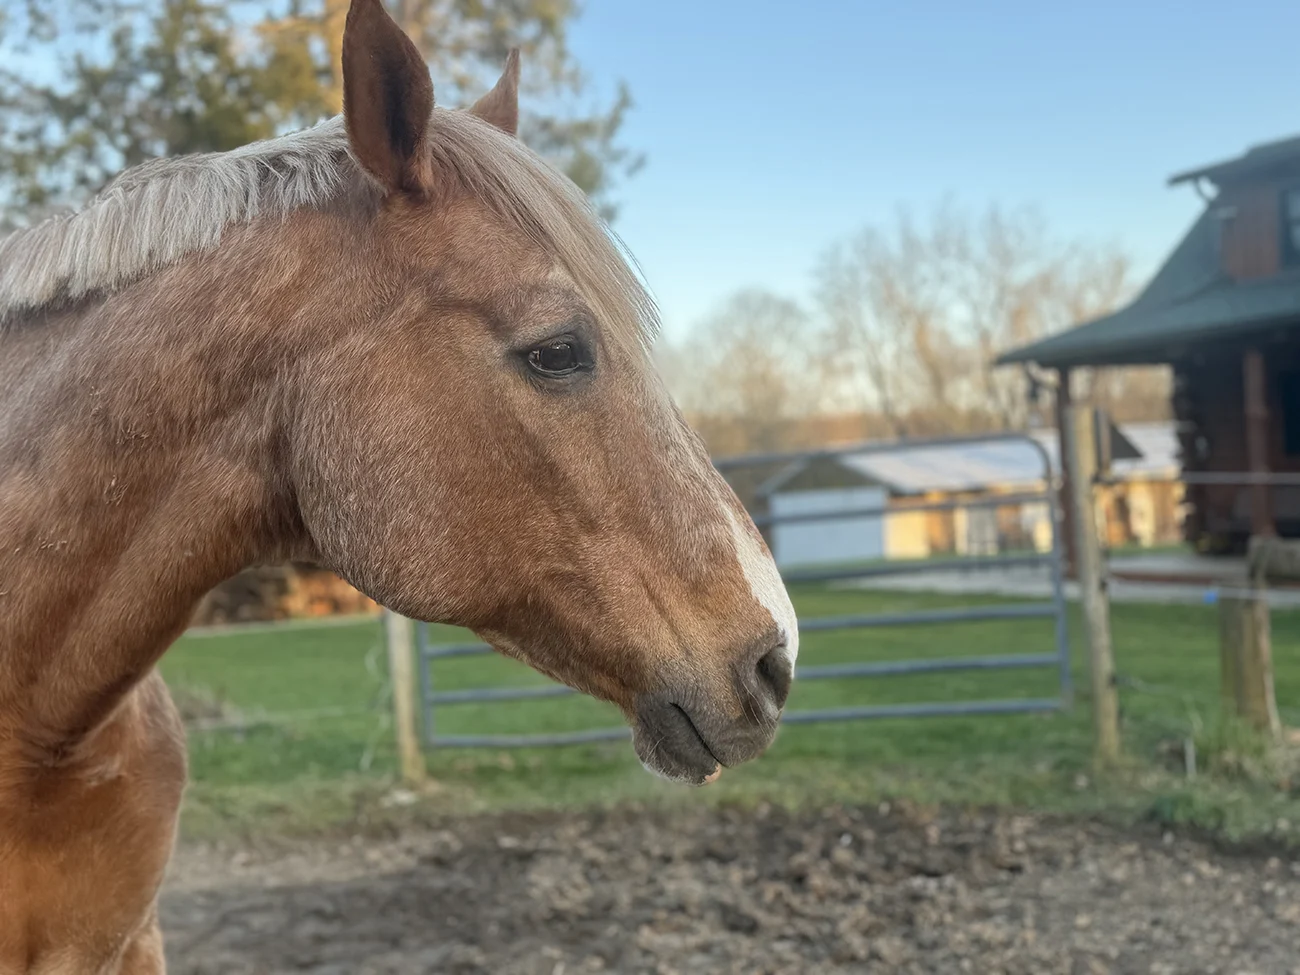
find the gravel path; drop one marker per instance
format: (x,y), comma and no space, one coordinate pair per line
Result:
(763,891)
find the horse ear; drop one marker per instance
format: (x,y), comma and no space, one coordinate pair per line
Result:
(500,106)
(387,99)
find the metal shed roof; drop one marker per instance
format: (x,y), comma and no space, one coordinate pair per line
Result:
(967,467)
(977,465)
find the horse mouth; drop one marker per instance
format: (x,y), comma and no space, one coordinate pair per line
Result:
(669,744)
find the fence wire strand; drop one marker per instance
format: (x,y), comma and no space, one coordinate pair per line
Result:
(378,707)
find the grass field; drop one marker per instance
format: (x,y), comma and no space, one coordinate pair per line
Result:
(317,750)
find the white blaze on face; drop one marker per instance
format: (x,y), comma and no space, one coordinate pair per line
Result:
(765,583)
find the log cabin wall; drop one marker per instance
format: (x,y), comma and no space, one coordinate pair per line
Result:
(1210,410)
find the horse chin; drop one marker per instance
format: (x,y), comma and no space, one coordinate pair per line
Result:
(671,747)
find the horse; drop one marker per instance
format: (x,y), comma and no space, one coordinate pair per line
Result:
(398,345)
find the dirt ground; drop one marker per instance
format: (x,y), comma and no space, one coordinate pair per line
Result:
(759,891)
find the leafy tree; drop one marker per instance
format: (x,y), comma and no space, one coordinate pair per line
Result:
(79,102)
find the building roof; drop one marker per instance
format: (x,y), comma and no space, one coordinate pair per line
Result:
(966,467)
(1269,158)
(1190,299)
(974,465)
(1158,450)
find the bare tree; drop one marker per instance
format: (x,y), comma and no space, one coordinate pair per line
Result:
(919,313)
(745,377)
(1131,394)
(888,298)
(861,345)
(1008,283)
(913,319)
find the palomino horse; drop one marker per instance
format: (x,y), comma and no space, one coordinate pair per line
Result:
(398,345)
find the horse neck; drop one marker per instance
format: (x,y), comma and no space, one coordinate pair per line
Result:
(141,463)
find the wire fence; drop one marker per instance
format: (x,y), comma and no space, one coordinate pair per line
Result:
(317,687)
(1243,567)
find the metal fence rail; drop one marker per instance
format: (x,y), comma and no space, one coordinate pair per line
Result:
(1057,657)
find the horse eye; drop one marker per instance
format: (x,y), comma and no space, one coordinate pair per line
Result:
(555,358)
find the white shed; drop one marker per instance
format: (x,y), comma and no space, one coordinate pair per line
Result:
(855,539)
(907,476)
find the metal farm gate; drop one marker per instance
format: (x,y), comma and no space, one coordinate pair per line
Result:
(1057,657)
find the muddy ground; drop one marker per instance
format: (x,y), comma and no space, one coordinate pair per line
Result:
(841,890)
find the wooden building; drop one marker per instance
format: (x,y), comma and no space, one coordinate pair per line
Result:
(1224,312)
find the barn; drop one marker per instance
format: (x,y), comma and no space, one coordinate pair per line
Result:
(893,490)
(1224,312)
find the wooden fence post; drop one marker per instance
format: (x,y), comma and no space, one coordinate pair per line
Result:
(1246,639)
(402,674)
(1080,444)
(1246,661)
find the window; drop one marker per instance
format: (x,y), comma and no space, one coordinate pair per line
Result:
(1291,227)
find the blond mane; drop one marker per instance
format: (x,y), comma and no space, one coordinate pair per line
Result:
(157,213)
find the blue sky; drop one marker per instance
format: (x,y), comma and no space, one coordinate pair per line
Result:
(773,129)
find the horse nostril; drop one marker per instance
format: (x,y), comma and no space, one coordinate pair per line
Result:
(774,674)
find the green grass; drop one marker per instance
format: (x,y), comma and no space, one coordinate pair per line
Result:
(324,752)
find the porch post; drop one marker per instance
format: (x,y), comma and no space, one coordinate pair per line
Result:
(1261,509)
(1063,414)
